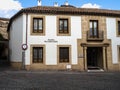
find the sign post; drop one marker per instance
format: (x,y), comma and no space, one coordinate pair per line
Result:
(24,47)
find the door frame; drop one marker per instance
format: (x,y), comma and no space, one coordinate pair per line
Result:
(104,56)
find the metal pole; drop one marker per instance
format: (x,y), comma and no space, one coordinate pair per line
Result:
(23,60)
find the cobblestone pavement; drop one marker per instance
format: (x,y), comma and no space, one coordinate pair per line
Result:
(58,80)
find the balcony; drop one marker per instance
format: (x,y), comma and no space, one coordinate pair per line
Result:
(95,36)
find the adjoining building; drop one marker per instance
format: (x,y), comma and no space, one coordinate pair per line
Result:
(3,41)
(65,37)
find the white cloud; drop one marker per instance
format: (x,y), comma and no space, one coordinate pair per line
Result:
(90,5)
(7,14)
(9,7)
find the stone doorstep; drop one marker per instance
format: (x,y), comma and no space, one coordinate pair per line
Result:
(96,70)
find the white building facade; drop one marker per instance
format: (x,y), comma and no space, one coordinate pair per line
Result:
(58,38)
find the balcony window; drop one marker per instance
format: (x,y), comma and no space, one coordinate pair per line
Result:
(94,33)
(93,28)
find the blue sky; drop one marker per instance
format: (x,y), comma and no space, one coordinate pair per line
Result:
(105,4)
(9,7)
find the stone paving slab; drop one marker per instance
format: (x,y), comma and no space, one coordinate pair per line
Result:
(58,80)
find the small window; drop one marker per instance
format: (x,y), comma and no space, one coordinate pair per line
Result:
(63,26)
(37,54)
(37,25)
(63,54)
(118,27)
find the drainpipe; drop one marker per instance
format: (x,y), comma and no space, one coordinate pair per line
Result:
(26,26)
(24,46)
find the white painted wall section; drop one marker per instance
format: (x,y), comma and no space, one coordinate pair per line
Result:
(16,35)
(51,26)
(51,54)
(76,33)
(111,34)
(51,48)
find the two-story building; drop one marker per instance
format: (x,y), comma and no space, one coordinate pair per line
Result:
(65,37)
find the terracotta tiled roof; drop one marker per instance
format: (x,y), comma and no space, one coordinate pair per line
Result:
(67,11)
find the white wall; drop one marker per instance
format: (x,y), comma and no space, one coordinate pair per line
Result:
(51,33)
(16,33)
(111,34)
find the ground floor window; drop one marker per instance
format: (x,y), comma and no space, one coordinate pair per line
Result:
(118,53)
(63,54)
(37,54)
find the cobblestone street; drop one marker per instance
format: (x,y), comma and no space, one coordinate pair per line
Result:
(58,80)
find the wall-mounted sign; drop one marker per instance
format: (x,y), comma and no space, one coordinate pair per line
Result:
(24,46)
(51,41)
(68,66)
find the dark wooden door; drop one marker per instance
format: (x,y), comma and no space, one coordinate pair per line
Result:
(92,56)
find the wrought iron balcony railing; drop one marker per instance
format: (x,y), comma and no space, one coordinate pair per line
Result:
(95,36)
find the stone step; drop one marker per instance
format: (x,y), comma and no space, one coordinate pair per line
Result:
(96,70)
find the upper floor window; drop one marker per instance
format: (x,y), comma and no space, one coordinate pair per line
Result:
(93,28)
(118,27)
(37,25)
(63,26)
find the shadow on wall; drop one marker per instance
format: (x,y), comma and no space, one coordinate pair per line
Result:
(4,60)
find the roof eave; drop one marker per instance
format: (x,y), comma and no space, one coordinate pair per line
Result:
(13,17)
(65,11)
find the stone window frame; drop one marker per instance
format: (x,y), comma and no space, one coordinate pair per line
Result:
(39,55)
(118,52)
(63,28)
(70,54)
(69,25)
(38,30)
(31,24)
(31,54)
(117,21)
